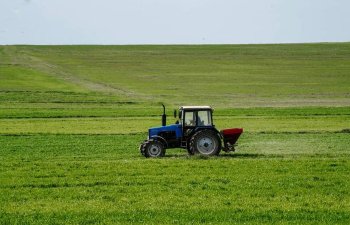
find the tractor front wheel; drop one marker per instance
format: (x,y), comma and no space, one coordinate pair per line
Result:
(205,142)
(152,148)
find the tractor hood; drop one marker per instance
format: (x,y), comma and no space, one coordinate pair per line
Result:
(157,131)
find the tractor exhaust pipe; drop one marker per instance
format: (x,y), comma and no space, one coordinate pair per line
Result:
(163,116)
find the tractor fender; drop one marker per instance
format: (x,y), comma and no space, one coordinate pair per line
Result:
(206,128)
(161,139)
(197,129)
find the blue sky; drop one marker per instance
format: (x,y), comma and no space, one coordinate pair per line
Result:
(173,21)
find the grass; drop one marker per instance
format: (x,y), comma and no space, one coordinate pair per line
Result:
(137,124)
(101,178)
(72,117)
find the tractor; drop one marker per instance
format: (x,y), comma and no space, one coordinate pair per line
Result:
(194,131)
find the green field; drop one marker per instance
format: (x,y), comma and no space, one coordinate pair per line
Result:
(72,117)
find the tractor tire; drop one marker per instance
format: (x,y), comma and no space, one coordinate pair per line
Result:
(152,148)
(141,147)
(205,142)
(190,151)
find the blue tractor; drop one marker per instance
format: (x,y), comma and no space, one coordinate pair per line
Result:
(194,130)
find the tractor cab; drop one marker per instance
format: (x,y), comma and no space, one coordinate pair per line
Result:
(193,118)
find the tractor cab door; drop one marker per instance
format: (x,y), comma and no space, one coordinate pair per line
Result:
(189,122)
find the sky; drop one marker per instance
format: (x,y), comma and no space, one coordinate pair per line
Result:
(173,21)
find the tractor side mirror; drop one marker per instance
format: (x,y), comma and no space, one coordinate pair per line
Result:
(175,113)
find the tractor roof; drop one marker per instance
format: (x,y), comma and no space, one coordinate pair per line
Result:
(196,107)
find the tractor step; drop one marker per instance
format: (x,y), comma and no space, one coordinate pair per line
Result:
(183,144)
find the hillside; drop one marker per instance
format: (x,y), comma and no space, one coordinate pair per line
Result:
(222,76)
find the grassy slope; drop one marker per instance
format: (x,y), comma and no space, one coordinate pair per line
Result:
(229,75)
(293,160)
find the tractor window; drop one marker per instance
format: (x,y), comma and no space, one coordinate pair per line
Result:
(190,119)
(204,118)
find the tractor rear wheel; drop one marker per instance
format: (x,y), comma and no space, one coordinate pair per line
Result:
(152,148)
(205,142)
